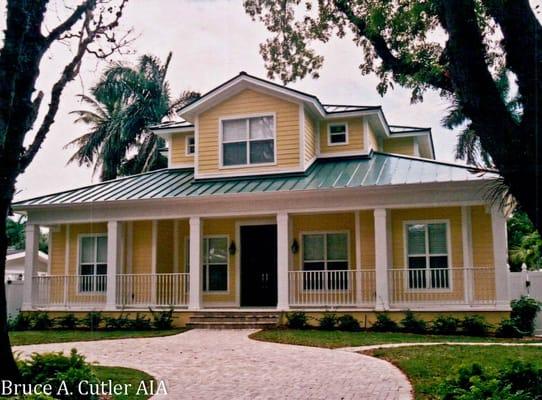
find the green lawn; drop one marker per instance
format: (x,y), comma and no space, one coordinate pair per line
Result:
(124,376)
(429,365)
(19,338)
(335,339)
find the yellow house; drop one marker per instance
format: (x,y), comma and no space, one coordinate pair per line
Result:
(275,201)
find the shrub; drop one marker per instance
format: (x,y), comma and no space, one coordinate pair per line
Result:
(297,320)
(41,321)
(21,322)
(92,320)
(347,322)
(411,324)
(55,369)
(524,312)
(508,329)
(517,381)
(328,322)
(475,325)
(384,323)
(68,321)
(121,322)
(140,323)
(162,319)
(445,325)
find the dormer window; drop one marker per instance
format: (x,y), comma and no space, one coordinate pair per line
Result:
(190,145)
(248,141)
(337,134)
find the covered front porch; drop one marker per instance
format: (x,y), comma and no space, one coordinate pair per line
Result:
(431,258)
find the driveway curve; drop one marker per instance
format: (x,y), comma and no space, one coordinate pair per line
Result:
(226,364)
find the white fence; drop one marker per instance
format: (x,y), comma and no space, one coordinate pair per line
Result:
(527,283)
(14,297)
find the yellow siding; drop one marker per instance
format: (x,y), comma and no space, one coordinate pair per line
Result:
(310,138)
(453,215)
(164,248)
(482,253)
(373,140)
(367,233)
(245,103)
(355,137)
(142,247)
(178,148)
(57,253)
(404,145)
(184,233)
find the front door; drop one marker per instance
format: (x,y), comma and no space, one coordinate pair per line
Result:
(258,265)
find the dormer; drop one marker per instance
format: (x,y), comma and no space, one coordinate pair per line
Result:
(250,126)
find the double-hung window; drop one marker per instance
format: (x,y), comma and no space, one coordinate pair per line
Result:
(93,263)
(215,263)
(190,145)
(337,133)
(427,255)
(325,261)
(248,141)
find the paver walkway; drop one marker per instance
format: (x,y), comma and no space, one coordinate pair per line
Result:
(226,364)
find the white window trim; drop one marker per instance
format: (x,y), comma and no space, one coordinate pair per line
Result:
(202,263)
(248,164)
(346,140)
(301,259)
(187,152)
(407,288)
(79,239)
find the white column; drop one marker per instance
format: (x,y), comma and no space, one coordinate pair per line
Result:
(381,259)
(114,255)
(357,236)
(468,264)
(283,255)
(30,262)
(500,257)
(154,260)
(195,263)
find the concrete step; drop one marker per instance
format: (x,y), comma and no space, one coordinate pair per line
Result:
(233,319)
(230,325)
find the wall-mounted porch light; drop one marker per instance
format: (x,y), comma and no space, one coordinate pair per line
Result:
(232,249)
(295,246)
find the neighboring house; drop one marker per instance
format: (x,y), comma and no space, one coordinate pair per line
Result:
(275,200)
(15,265)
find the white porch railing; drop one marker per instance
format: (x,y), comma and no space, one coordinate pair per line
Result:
(332,288)
(441,286)
(143,290)
(69,290)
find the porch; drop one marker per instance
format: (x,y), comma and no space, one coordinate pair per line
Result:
(447,258)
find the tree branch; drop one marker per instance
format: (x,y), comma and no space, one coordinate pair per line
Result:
(65,26)
(389,61)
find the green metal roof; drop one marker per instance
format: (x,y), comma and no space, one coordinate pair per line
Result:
(377,169)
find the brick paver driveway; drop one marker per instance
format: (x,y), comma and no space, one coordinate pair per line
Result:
(226,364)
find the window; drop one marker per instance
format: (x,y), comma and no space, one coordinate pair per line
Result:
(325,254)
(427,254)
(93,263)
(190,145)
(215,263)
(337,134)
(248,141)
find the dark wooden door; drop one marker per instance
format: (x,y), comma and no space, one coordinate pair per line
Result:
(258,265)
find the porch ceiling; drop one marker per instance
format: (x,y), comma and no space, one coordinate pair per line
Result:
(378,169)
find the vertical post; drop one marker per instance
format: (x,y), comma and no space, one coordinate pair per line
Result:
(30,262)
(468,265)
(500,256)
(154,260)
(67,280)
(283,256)
(381,259)
(195,263)
(114,236)
(357,237)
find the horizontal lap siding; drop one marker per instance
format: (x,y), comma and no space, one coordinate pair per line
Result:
(57,252)
(367,233)
(310,138)
(482,251)
(178,149)
(355,137)
(372,139)
(250,102)
(453,215)
(164,248)
(142,247)
(400,146)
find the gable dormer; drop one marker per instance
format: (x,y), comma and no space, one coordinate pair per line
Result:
(249,126)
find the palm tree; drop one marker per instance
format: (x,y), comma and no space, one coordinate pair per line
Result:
(123,104)
(468,146)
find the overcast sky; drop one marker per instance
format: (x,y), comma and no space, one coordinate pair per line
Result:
(211,41)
